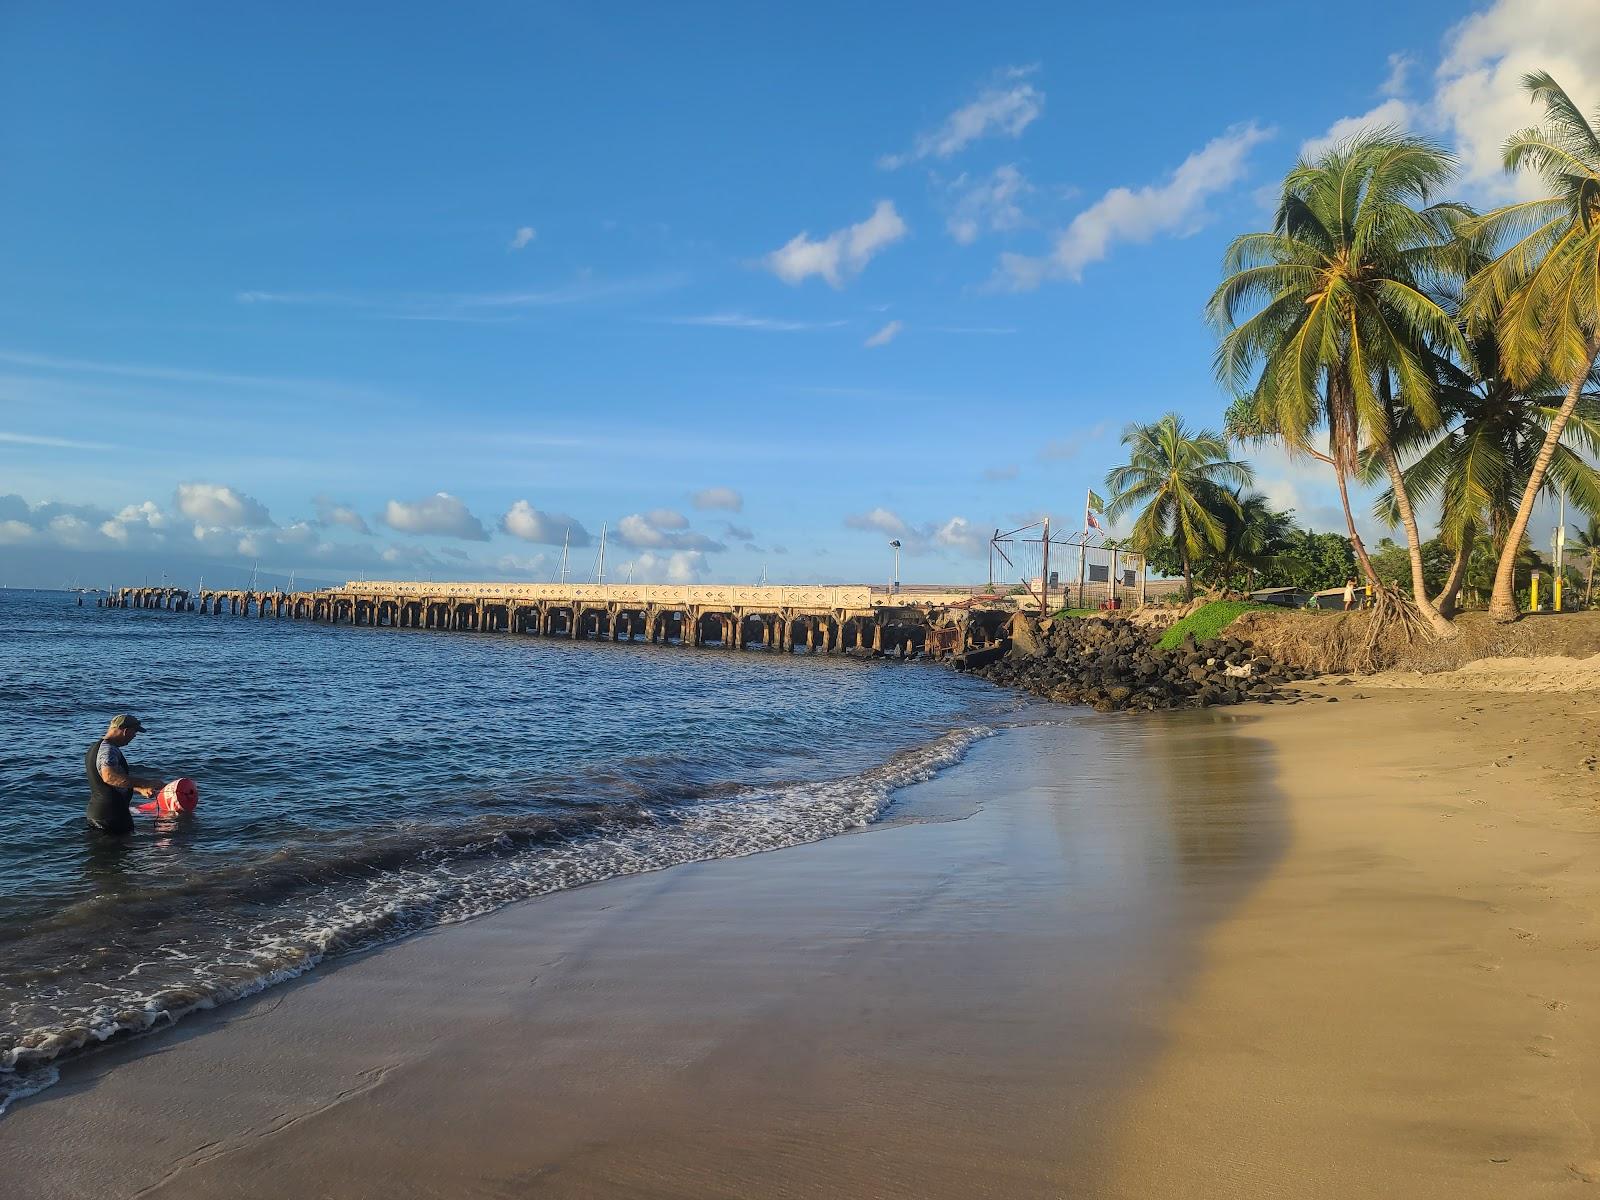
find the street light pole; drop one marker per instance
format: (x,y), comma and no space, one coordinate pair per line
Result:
(894,588)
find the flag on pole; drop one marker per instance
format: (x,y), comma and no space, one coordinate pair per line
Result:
(1093,506)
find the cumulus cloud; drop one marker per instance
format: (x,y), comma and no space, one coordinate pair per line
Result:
(1003,109)
(842,254)
(885,335)
(882,520)
(679,566)
(530,524)
(987,204)
(523,238)
(1174,207)
(136,524)
(331,512)
(1475,100)
(439,515)
(643,531)
(221,506)
(718,498)
(955,535)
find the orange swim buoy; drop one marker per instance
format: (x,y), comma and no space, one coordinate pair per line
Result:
(178,797)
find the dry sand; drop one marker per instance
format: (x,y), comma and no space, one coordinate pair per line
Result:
(1329,950)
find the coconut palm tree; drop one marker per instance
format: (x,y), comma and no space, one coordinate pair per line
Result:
(1327,319)
(1481,461)
(1253,536)
(1541,293)
(1588,541)
(1177,477)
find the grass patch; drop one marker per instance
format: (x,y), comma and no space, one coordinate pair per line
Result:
(1078,612)
(1207,621)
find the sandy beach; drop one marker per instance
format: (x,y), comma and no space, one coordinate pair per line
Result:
(1314,950)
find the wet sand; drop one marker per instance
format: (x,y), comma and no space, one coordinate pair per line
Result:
(1327,950)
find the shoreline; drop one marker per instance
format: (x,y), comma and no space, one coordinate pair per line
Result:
(1321,950)
(883,997)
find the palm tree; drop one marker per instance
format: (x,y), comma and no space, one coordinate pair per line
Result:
(1330,313)
(1177,476)
(1254,535)
(1588,540)
(1542,293)
(1477,466)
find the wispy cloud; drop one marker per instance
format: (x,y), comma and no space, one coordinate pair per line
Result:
(843,253)
(1176,207)
(733,320)
(55,443)
(1003,109)
(523,238)
(470,306)
(885,335)
(987,204)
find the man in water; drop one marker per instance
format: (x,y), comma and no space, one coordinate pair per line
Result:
(111,787)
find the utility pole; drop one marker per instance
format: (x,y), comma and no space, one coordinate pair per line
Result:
(894,588)
(1044,578)
(1560,553)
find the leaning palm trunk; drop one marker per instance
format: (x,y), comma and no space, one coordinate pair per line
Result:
(1355,538)
(1503,601)
(1588,586)
(1445,601)
(1431,616)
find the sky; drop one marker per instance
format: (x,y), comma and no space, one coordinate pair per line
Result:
(405,292)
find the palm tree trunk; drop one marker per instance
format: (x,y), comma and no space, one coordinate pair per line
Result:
(1188,580)
(1588,587)
(1355,538)
(1503,603)
(1446,599)
(1436,620)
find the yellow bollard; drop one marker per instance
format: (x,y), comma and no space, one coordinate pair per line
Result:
(1533,592)
(1555,595)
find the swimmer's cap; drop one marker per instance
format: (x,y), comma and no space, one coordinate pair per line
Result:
(125,721)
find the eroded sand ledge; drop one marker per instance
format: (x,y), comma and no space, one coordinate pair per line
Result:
(1161,978)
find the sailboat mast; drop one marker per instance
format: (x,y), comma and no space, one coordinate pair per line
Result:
(600,567)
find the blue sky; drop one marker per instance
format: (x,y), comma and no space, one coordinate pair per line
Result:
(351,289)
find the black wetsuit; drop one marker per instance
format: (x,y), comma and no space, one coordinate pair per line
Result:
(108,806)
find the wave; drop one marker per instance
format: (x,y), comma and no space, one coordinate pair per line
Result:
(353,899)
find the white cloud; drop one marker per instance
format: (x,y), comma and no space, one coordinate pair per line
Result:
(956,534)
(1394,84)
(643,531)
(1476,99)
(718,498)
(53,443)
(1175,207)
(218,505)
(762,324)
(680,566)
(331,512)
(530,524)
(1002,110)
(843,253)
(439,515)
(988,204)
(523,237)
(1478,96)
(15,533)
(667,518)
(1392,113)
(137,524)
(882,520)
(885,335)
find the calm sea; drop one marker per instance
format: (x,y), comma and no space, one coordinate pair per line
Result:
(358,784)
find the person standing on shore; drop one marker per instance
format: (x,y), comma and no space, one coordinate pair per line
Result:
(111,787)
(1349,594)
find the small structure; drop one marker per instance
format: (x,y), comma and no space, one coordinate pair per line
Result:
(1288,597)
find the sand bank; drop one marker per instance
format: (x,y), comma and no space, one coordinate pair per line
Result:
(1329,950)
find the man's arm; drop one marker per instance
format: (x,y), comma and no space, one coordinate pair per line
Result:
(118,778)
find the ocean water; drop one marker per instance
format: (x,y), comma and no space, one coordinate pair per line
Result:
(359,784)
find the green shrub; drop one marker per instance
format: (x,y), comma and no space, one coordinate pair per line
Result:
(1207,621)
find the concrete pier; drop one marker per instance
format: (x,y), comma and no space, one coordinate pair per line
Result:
(822,620)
